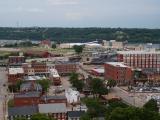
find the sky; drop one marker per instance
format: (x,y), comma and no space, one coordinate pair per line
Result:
(80,13)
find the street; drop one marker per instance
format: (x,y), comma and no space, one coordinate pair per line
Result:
(129,98)
(3,93)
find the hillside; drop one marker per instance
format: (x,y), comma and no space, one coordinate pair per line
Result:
(82,34)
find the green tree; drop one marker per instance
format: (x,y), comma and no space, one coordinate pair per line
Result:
(78,48)
(45,84)
(74,80)
(111,83)
(39,116)
(20,118)
(54,46)
(95,108)
(98,87)
(151,105)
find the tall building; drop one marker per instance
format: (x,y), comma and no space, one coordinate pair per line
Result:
(119,72)
(140,59)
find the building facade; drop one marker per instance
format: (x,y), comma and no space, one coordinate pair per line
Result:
(119,72)
(139,59)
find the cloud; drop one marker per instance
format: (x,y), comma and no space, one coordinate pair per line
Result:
(76,15)
(35,10)
(63,2)
(31,10)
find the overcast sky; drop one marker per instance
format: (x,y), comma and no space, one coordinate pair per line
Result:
(80,13)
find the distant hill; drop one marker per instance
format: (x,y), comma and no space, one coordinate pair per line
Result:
(82,34)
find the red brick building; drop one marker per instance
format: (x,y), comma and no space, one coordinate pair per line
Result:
(39,67)
(15,74)
(46,44)
(53,99)
(140,59)
(65,67)
(119,72)
(27,99)
(16,59)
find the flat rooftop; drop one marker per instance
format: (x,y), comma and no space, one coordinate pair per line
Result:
(117,64)
(138,52)
(14,71)
(52,108)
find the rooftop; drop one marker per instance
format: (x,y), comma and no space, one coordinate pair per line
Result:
(99,70)
(53,97)
(117,64)
(52,108)
(54,72)
(28,94)
(75,113)
(138,52)
(16,71)
(25,110)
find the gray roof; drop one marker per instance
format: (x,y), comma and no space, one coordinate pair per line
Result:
(53,97)
(28,94)
(75,113)
(64,62)
(30,85)
(52,108)
(25,110)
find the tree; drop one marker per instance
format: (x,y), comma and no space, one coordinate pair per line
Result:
(39,116)
(45,84)
(151,105)
(74,80)
(95,108)
(111,83)
(97,87)
(54,46)
(20,118)
(78,48)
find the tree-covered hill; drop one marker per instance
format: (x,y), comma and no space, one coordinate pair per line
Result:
(82,34)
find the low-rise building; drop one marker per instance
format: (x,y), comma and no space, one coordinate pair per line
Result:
(65,67)
(119,72)
(54,76)
(75,115)
(27,98)
(16,60)
(53,99)
(15,74)
(18,112)
(57,111)
(30,86)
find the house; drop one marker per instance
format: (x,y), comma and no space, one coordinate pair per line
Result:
(25,111)
(27,98)
(75,115)
(15,74)
(30,86)
(53,99)
(72,95)
(57,111)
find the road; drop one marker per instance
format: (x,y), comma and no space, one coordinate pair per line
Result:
(129,98)
(3,93)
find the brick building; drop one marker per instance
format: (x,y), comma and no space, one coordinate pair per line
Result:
(140,59)
(53,99)
(15,74)
(16,59)
(65,67)
(119,72)
(27,99)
